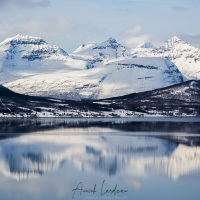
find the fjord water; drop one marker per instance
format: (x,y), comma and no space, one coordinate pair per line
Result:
(142,158)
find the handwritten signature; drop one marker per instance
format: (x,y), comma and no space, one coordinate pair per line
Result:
(103,190)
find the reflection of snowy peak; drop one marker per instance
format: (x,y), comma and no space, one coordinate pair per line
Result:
(185,56)
(178,163)
(34,155)
(30,161)
(182,161)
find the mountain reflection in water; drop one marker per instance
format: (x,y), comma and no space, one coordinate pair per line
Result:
(26,156)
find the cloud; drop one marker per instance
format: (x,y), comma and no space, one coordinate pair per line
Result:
(134,36)
(179,8)
(17,4)
(192,38)
(133,31)
(36,26)
(55,30)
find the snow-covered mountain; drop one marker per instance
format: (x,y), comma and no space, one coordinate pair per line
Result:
(31,48)
(29,65)
(146,45)
(110,49)
(100,54)
(113,79)
(185,56)
(142,50)
(23,56)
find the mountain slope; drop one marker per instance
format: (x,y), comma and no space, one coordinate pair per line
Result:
(84,47)
(23,56)
(29,65)
(178,100)
(181,99)
(17,105)
(185,56)
(113,79)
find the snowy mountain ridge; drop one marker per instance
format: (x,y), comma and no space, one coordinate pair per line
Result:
(84,47)
(34,47)
(25,56)
(110,49)
(185,56)
(29,65)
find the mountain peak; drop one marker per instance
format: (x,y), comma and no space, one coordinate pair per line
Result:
(23,39)
(110,49)
(175,39)
(172,42)
(84,47)
(17,36)
(110,43)
(146,45)
(30,48)
(20,36)
(112,40)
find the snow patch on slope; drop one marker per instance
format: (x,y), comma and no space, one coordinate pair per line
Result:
(84,47)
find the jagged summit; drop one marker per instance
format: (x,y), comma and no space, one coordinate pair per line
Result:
(185,56)
(23,39)
(30,48)
(112,40)
(146,45)
(174,41)
(109,49)
(109,43)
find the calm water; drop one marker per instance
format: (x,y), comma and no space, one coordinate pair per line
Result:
(100,159)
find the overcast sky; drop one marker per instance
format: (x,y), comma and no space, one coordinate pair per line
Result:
(70,23)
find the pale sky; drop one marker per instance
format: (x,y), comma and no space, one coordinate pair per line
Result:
(70,23)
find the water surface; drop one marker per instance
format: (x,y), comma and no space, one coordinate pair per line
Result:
(142,158)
